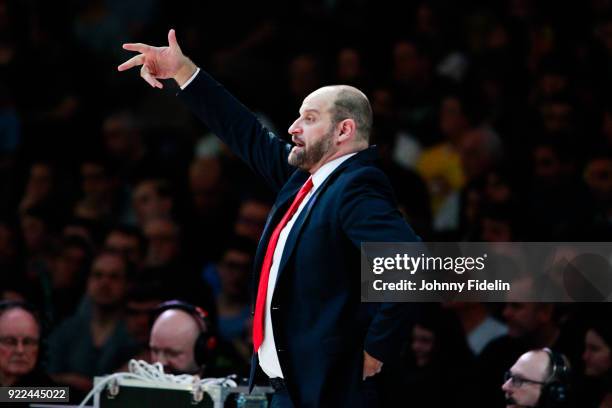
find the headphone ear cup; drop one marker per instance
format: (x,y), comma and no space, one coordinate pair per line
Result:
(204,348)
(200,351)
(553,395)
(558,393)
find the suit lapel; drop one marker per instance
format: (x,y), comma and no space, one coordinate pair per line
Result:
(280,206)
(298,225)
(276,212)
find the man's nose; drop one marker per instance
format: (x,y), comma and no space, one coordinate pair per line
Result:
(20,348)
(506,387)
(294,129)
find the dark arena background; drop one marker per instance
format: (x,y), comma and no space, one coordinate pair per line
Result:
(493,121)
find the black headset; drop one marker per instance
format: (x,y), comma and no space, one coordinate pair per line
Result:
(555,393)
(206,343)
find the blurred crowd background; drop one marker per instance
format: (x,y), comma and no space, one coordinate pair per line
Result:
(493,121)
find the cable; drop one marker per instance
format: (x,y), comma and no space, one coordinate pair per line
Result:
(154,373)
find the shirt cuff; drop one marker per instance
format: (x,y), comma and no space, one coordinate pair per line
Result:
(190,79)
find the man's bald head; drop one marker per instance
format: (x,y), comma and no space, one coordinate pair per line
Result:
(533,369)
(172,341)
(348,102)
(538,364)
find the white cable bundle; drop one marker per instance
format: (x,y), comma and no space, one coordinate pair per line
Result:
(154,373)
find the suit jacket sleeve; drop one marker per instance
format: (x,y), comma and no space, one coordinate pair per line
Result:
(238,127)
(369,214)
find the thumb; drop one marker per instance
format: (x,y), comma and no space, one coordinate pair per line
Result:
(172,39)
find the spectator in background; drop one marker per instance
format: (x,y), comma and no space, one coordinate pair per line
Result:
(40,187)
(501,187)
(440,165)
(37,229)
(183,340)
(206,186)
(167,265)
(89,230)
(163,242)
(94,341)
(123,141)
(437,357)
(102,197)
(597,358)
(480,150)
(152,198)
(13,290)
(530,326)
(552,80)
(230,280)
(598,177)
(173,341)
(141,302)
(558,200)
(414,88)
(500,222)
(212,209)
(68,276)
(540,379)
(304,76)
(97,29)
(478,323)
(128,241)
(251,219)
(411,192)
(350,69)
(606,401)
(21,352)
(557,115)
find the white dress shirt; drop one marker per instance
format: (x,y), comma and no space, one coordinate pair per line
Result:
(191,78)
(268,358)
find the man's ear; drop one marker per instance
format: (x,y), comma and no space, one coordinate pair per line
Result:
(347,130)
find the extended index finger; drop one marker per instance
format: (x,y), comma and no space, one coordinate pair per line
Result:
(132,62)
(139,47)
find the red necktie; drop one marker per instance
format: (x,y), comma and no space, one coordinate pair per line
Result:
(262,289)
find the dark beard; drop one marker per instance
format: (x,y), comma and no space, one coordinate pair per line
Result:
(308,158)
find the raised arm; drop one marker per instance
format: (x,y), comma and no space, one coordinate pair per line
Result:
(265,153)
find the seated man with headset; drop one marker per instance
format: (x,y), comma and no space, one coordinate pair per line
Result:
(183,341)
(540,379)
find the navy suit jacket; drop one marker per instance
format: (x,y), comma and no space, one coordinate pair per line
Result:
(320,326)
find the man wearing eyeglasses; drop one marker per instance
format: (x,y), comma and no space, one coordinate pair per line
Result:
(535,380)
(19,346)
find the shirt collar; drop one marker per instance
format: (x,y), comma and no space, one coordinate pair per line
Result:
(328,168)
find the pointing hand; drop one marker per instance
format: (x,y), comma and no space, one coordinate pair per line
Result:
(160,62)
